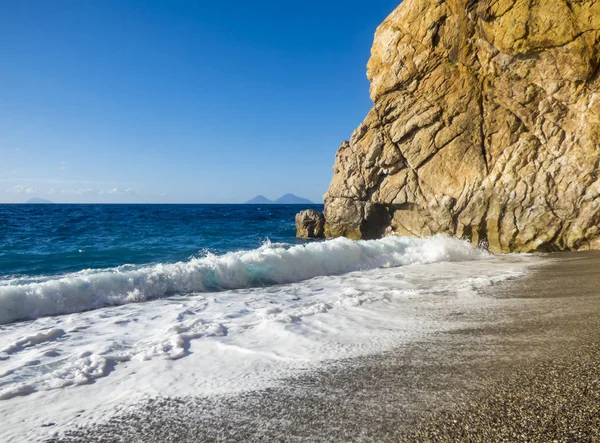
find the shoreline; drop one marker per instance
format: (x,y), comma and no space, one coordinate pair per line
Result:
(464,384)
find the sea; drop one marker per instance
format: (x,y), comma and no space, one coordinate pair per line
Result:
(105,306)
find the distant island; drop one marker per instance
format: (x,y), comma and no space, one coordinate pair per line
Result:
(38,201)
(259,200)
(287,199)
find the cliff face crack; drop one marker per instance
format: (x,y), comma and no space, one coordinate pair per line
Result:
(435,39)
(487,15)
(484,152)
(489,112)
(437,150)
(388,139)
(595,73)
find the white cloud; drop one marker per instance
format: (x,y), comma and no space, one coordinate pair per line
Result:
(162,194)
(22,189)
(80,191)
(127,191)
(62,165)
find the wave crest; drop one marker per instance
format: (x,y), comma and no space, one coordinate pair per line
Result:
(270,264)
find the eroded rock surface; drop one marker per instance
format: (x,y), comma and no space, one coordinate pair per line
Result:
(310,224)
(485,126)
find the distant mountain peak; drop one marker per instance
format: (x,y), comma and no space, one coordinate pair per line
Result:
(291,199)
(38,201)
(259,200)
(287,199)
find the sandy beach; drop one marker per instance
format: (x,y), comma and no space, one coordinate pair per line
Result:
(527,372)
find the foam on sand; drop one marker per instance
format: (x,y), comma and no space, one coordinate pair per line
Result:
(80,368)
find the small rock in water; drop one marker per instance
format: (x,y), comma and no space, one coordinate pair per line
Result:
(310,224)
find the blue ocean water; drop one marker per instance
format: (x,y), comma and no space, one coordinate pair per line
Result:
(62,259)
(40,240)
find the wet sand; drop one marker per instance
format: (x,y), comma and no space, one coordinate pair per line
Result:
(530,372)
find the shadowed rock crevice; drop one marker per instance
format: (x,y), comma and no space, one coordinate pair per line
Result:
(485,126)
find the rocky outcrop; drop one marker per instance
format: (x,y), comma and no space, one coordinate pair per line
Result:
(485,126)
(310,224)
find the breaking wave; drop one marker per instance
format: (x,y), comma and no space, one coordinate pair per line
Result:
(268,265)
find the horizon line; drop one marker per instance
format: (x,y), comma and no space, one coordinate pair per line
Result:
(156,203)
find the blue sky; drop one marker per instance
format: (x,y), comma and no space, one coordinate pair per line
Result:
(179,101)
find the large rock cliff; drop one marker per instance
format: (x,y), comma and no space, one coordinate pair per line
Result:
(485,126)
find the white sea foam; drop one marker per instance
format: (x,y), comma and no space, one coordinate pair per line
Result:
(79,368)
(267,265)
